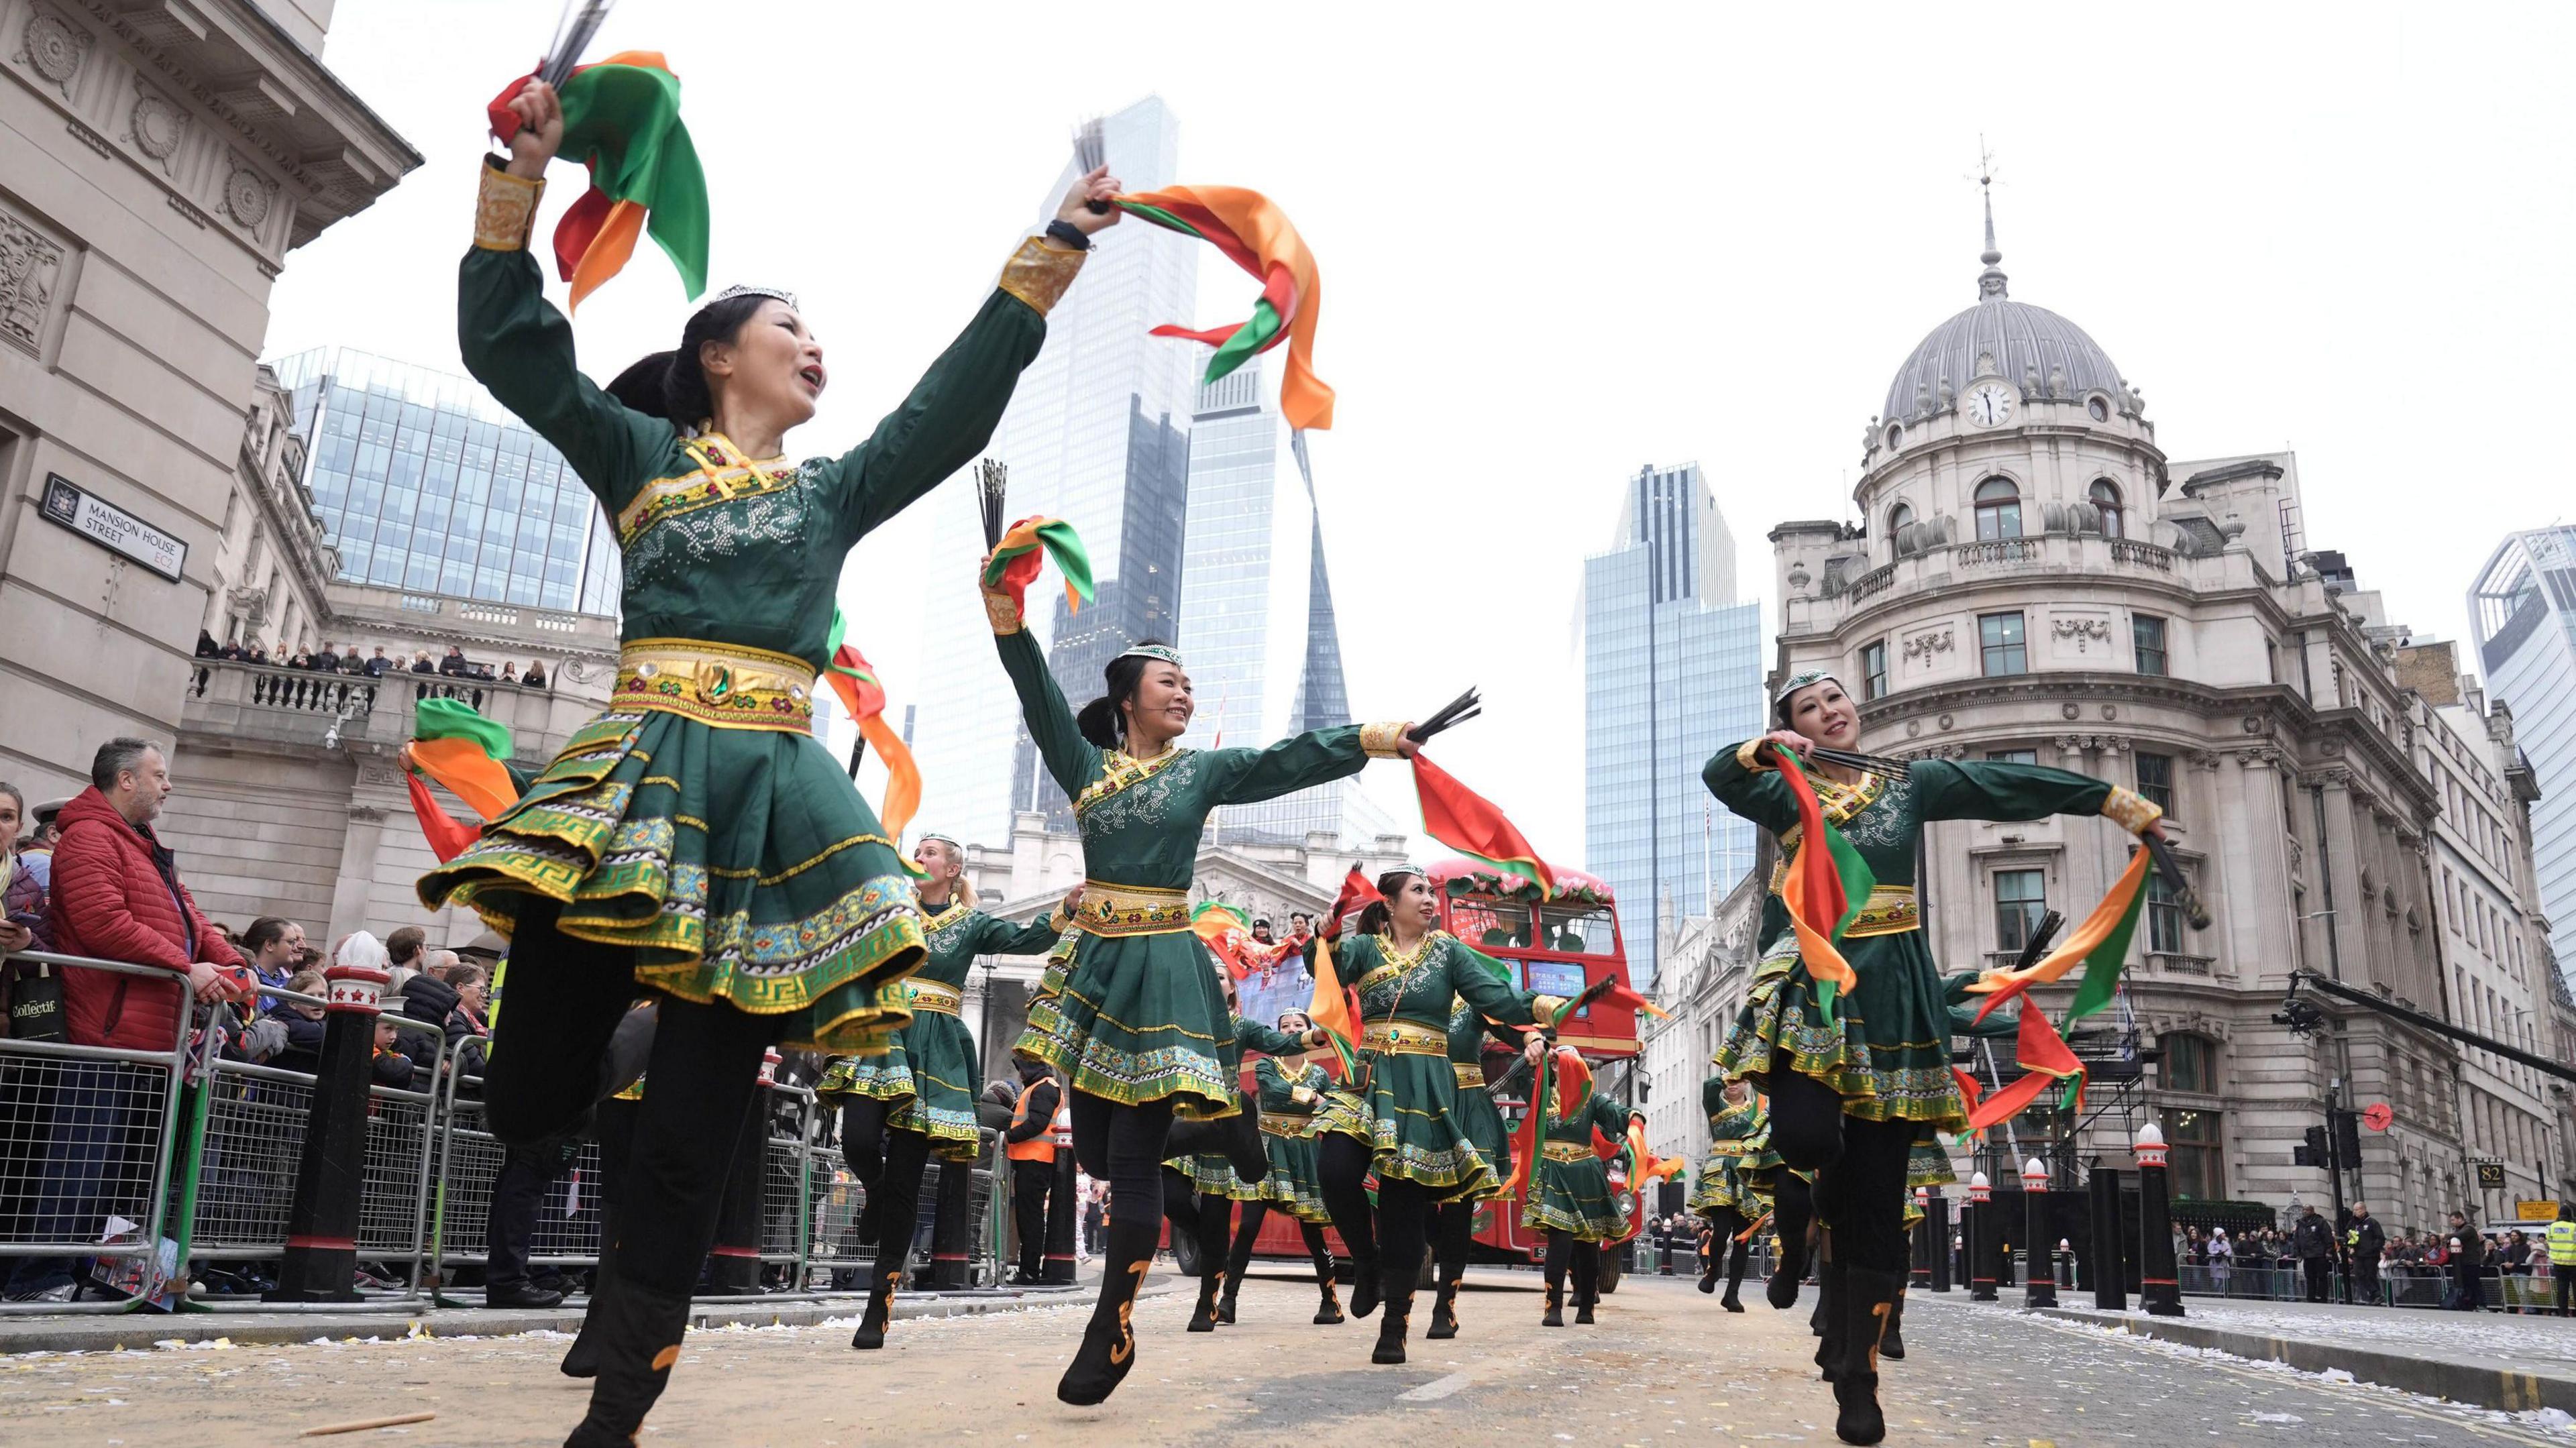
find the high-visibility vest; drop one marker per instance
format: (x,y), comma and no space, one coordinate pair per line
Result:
(1038,1148)
(2562,1244)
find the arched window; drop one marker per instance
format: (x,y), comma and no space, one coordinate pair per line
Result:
(2106,496)
(1998,510)
(1897,518)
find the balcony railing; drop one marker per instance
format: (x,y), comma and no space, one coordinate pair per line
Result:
(1875,581)
(1999,550)
(2144,555)
(299,705)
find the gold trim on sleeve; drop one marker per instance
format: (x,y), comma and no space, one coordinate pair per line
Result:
(2130,810)
(1001,613)
(1038,273)
(505,208)
(1749,754)
(1384,741)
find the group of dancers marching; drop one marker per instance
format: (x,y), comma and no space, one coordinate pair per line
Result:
(695,844)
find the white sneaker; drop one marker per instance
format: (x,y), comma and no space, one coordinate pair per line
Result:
(63,1293)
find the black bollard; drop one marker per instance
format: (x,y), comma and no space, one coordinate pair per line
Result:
(952,1227)
(321,1261)
(2039,1273)
(2158,1291)
(1937,1216)
(1063,1214)
(1981,1239)
(2110,1278)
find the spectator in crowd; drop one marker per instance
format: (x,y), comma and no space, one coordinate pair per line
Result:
(350,663)
(233,651)
(378,665)
(327,661)
(392,1068)
(2222,1259)
(299,660)
(2467,1262)
(116,896)
(2515,1255)
(470,1018)
(420,663)
(303,1023)
(207,648)
(22,890)
(2364,1245)
(455,664)
(275,948)
(403,951)
(509,673)
(535,677)
(2312,1242)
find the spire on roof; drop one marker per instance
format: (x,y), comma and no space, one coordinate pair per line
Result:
(1990,282)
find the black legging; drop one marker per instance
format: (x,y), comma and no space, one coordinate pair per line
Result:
(862,1137)
(1203,1217)
(1726,1253)
(1341,1166)
(546,1072)
(896,1197)
(1454,1231)
(1239,1259)
(1563,1250)
(1123,1146)
(1859,1166)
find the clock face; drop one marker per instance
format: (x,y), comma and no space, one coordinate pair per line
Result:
(1989,404)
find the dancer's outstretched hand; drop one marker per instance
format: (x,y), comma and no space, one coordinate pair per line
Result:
(1076,211)
(541,128)
(1790,740)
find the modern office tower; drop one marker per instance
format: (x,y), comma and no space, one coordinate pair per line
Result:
(425,484)
(2523,612)
(1097,433)
(1672,668)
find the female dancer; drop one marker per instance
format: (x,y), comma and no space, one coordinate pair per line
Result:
(1454,1224)
(1139,1026)
(1852,1092)
(1295,1101)
(1421,1148)
(917,1099)
(1733,1190)
(696,839)
(1569,1192)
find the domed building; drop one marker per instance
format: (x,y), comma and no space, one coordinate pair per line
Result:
(2032,579)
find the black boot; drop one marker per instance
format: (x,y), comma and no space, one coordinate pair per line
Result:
(1444,1312)
(1867,1299)
(880,1310)
(1203,1317)
(1225,1299)
(1390,1328)
(1555,1306)
(581,1360)
(1363,1286)
(1788,1272)
(1891,1343)
(1330,1311)
(1586,1293)
(638,1338)
(1734,1278)
(1830,1332)
(1708,1273)
(1108,1342)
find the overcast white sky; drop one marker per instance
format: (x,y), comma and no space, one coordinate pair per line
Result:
(1560,242)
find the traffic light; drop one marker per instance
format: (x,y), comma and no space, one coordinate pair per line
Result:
(2347,1138)
(2313,1153)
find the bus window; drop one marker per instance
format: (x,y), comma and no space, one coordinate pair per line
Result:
(1557,978)
(1575,929)
(1489,924)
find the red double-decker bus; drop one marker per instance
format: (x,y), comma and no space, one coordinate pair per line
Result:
(1556,941)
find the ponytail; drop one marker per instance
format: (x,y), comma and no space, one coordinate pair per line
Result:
(673,385)
(1373,918)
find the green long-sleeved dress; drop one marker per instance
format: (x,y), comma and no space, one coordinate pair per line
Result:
(1570,1183)
(1289,1096)
(1736,1172)
(1417,1129)
(1468,1033)
(1887,1050)
(697,822)
(930,1070)
(1212,1173)
(1140,1015)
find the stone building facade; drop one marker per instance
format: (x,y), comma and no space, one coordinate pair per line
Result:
(157,164)
(2036,580)
(1709,960)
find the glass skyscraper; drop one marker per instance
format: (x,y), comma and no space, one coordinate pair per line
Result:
(1097,433)
(1672,669)
(426,484)
(2523,612)
(1257,620)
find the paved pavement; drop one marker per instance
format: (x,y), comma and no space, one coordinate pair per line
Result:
(1664,1365)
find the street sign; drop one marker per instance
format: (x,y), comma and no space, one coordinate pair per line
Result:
(111,527)
(2526,1210)
(2490,1176)
(2377,1116)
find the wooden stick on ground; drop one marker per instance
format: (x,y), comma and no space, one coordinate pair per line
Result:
(363,1424)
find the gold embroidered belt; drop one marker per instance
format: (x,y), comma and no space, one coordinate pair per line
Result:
(1470,1073)
(931,996)
(1890,910)
(720,684)
(1730,1146)
(1566,1151)
(1403,1038)
(1113,910)
(1285,1123)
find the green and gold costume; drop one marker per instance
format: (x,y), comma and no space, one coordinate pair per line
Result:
(1887,1050)
(1289,1096)
(1140,1016)
(1417,1130)
(1736,1173)
(698,822)
(1468,1032)
(1569,1187)
(1211,1173)
(930,1071)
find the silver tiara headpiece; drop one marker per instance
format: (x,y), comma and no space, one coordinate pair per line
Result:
(779,294)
